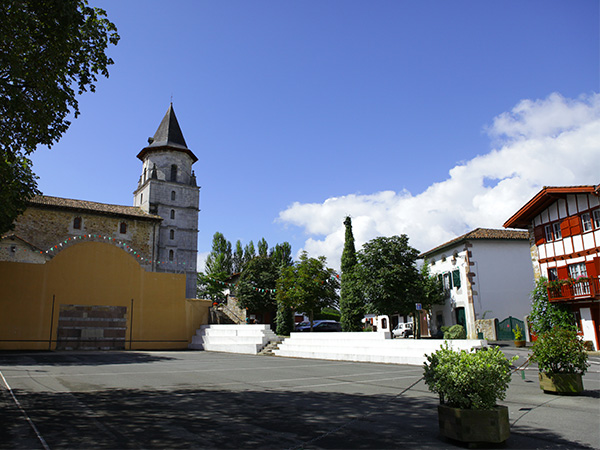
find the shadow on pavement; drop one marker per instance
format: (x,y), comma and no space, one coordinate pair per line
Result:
(196,418)
(66,358)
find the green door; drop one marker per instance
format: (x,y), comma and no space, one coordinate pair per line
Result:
(460,317)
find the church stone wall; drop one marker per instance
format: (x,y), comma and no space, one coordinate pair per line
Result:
(47,227)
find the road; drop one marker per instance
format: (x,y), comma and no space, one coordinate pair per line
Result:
(216,400)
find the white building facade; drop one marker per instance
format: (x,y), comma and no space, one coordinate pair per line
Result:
(486,273)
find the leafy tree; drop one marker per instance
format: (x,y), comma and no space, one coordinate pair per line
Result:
(352,306)
(249,252)
(256,285)
(50,52)
(211,286)
(432,288)
(545,315)
(219,260)
(263,247)
(282,255)
(388,275)
(308,285)
(238,258)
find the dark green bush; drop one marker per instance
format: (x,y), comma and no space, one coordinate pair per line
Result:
(560,351)
(455,332)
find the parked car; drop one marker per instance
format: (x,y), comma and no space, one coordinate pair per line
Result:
(321,325)
(403,330)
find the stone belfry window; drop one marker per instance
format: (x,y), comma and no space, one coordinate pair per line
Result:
(172,214)
(123,228)
(173,172)
(77,223)
(172,195)
(171,234)
(171,255)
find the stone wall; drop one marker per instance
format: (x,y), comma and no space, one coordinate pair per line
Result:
(488,328)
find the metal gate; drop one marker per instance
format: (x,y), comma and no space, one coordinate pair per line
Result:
(504,329)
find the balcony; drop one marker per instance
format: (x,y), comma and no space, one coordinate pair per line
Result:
(580,289)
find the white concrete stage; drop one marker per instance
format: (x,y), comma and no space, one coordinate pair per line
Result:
(358,346)
(367,347)
(249,339)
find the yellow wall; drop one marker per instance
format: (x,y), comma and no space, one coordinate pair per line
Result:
(94,273)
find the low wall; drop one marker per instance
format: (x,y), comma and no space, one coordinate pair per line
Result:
(367,347)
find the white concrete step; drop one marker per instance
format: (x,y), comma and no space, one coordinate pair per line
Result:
(232,338)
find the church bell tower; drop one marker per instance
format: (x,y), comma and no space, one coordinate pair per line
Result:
(167,188)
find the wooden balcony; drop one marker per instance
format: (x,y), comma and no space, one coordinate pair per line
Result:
(574,290)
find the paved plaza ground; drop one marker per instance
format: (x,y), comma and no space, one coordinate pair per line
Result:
(187,399)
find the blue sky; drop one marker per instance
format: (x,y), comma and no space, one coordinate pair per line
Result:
(428,118)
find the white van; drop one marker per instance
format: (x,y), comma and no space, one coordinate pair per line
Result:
(403,330)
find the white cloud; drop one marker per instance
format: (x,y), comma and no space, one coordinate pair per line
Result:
(554,141)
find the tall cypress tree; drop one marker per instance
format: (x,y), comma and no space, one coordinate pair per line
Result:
(351,299)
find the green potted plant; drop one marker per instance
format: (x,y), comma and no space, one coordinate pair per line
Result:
(519,341)
(562,361)
(469,385)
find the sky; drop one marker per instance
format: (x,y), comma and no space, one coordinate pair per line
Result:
(425,118)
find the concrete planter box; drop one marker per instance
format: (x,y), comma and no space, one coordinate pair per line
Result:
(474,425)
(561,383)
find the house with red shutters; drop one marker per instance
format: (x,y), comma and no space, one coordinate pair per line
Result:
(564,231)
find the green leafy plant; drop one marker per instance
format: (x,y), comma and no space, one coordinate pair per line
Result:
(468,380)
(518,333)
(455,332)
(560,351)
(545,315)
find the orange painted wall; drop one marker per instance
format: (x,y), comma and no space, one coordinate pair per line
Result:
(94,273)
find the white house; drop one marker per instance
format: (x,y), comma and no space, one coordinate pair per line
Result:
(486,273)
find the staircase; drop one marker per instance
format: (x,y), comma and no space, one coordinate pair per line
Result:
(271,347)
(248,339)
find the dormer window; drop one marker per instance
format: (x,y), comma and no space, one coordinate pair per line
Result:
(123,228)
(77,223)
(173,172)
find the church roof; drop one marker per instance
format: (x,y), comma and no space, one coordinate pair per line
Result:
(93,207)
(168,136)
(479,234)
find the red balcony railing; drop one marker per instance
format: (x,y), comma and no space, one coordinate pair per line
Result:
(573,289)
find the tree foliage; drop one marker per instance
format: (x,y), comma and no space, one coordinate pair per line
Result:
(388,275)
(432,288)
(256,284)
(308,285)
(50,52)
(545,315)
(352,307)
(219,260)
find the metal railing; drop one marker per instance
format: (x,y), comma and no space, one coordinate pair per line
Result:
(574,289)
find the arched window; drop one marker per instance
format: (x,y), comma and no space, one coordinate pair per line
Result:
(173,172)
(172,195)
(77,223)
(172,234)
(172,214)
(123,228)
(171,255)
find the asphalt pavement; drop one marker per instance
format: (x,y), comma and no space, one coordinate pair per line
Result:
(191,399)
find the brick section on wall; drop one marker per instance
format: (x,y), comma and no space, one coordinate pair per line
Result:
(94,327)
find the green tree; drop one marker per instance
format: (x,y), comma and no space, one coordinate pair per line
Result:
(282,254)
(352,305)
(432,288)
(219,260)
(238,258)
(51,51)
(308,286)
(263,247)
(545,315)
(389,276)
(249,253)
(211,286)
(256,285)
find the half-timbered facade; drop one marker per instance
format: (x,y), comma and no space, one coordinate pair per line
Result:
(564,229)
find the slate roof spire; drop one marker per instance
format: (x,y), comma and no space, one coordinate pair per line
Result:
(168,136)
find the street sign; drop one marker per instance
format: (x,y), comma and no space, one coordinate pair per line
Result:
(418,306)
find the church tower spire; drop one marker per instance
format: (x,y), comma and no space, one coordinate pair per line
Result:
(167,187)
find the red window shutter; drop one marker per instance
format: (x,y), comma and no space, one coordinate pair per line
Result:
(591,268)
(565,229)
(563,272)
(538,235)
(597,261)
(575,225)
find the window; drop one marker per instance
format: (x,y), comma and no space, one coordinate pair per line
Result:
(586,221)
(556,230)
(77,223)
(173,172)
(597,218)
(577,270)
(172,214)
(171,255)
(548,231)
(123,228)
(456,279)
(552,274)
(172,234)
(141,198)
(172,195)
